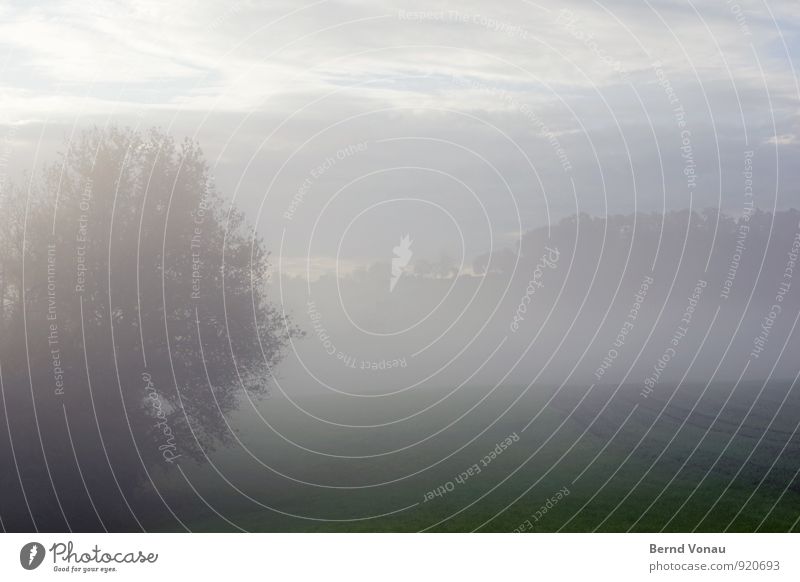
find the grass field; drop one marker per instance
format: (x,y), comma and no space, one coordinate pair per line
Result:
(628,464)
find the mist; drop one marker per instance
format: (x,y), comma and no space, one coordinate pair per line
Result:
(270,267)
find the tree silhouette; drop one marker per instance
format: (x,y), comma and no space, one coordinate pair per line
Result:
(134,320)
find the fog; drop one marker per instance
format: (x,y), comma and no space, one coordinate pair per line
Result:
(275,267)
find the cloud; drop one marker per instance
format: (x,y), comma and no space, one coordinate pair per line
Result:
(198,52)
(506,96)
(784,139)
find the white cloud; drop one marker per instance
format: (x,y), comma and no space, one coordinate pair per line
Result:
(259,80)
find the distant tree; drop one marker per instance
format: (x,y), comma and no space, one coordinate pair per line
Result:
(135,319)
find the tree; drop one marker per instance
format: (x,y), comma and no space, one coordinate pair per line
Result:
(135,319)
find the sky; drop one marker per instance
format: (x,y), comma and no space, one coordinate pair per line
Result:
(502,117)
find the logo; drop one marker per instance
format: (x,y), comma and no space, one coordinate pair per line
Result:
(31,555)
(402,256)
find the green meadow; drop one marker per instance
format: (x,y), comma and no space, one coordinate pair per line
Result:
(713,459)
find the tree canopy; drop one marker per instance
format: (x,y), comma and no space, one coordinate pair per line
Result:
(135,319)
